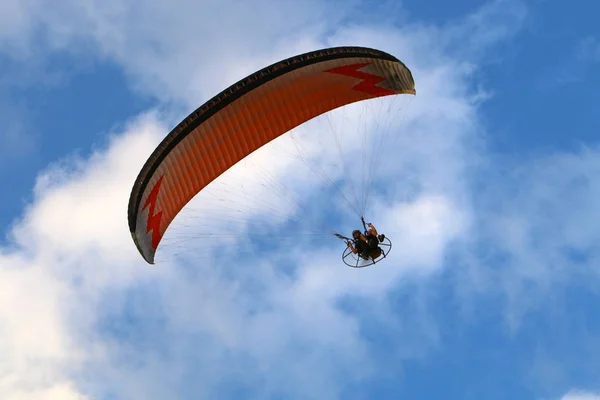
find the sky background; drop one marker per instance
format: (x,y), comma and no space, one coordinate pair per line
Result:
(492,290)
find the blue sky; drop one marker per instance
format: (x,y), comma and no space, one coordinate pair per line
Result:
(492,288)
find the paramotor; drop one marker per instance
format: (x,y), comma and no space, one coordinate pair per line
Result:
(246,116)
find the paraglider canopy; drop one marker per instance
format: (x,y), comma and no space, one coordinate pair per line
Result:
(245,117)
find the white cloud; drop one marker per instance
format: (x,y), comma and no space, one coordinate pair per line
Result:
(36,349)
(71,243)
(271,330)
(61,224)
(580,395)
(171,49)
(537,224)
(64,391)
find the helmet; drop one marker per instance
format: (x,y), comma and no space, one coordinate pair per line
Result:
(355,232)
